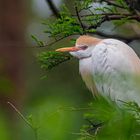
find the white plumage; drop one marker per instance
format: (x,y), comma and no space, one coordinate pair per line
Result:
(108,67)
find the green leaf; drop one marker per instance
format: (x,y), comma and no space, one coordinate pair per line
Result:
(39,42)
(50,59)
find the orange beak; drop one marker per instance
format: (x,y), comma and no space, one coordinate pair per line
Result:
(68,49)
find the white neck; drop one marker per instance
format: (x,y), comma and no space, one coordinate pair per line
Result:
(85,69)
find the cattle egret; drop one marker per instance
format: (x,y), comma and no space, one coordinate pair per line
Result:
(109,67)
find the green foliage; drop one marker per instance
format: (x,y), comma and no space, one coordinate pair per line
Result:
(39,42)
(121,22)
(49,59)
(122,3)
(83,4)
(78,23)
(64,26)
(107,121)
(133,108)
(68,24)
(5,131)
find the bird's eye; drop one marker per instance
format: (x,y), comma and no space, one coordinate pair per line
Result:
(84,47)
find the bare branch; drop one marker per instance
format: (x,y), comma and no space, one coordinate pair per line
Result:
(53,8)
(114,17)
(78,16)
(104,14)
(50,44)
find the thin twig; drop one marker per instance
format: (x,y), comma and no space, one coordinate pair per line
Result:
(46,45)
(114,4)
(118,17)
(104,14)
(53,8)
(79,19)
(114,17)
(25,120)
(50,44)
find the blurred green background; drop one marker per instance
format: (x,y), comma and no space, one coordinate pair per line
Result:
(42,96)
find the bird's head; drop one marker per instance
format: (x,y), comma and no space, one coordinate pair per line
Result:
(83,47)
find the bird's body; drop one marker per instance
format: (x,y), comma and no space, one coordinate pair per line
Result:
(109,67)
(112,70)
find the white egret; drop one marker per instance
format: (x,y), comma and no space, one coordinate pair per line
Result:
(108,66)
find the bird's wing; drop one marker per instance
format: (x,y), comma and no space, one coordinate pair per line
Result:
(114,64)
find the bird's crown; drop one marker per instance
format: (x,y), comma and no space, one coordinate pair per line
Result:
(87,40)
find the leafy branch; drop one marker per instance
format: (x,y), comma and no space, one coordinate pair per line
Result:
(104,120)
(115,4)
(49,59)
(104,116)
(69,24)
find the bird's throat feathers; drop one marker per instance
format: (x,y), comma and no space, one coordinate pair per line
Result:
(85,71)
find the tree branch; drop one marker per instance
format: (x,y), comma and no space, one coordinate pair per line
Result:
(114,17)
(53,8)
(103,18)
(57,40)
(79,19)
(104,14)
(113,4)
